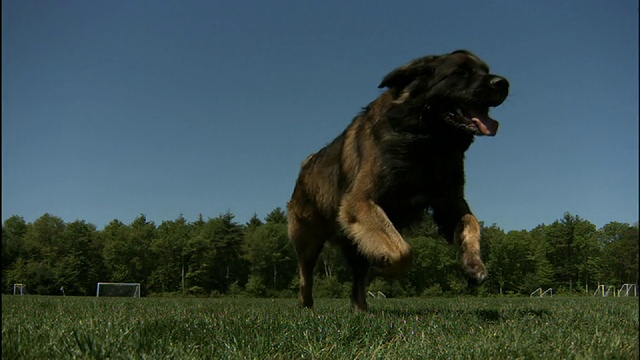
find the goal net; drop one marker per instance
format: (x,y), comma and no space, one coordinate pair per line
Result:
(118,289)
(20,289)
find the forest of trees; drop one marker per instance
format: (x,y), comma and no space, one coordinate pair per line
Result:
(220,257)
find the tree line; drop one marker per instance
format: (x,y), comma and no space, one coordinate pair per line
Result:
(221,257)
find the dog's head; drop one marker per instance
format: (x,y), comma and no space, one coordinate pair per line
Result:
(452,91)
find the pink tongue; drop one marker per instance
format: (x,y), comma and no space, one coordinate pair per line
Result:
(485,124)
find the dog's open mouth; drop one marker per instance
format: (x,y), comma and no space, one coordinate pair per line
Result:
(472,119)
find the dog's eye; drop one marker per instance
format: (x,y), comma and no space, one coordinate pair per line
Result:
(462,73)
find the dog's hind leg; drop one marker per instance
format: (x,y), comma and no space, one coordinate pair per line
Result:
(308,245)
(307,260)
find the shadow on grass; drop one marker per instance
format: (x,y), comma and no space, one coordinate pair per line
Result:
(484,315)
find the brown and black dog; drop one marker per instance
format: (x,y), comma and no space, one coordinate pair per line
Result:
(403,154)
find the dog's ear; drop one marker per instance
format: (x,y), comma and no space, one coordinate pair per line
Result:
(405,75)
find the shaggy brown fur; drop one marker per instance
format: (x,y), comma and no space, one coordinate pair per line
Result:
(403,154)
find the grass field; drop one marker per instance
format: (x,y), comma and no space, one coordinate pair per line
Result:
(36,327)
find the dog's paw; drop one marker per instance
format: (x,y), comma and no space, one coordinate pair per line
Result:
(474,268)
(392,269)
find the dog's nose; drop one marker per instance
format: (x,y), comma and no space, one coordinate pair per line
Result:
(499,83)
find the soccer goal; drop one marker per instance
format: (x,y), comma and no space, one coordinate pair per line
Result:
(605,290)
(540,293)
(19,289)
(628,290)
(378,295)
(118,289)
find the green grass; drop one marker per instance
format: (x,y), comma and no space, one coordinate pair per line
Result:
(35,327)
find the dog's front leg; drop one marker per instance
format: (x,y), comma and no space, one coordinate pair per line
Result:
(375,237)
(360,267)
(467,235)
(374,234)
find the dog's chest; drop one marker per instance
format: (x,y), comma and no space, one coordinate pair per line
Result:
(412,180)
(407,185)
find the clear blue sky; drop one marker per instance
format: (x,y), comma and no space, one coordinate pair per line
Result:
(112,109)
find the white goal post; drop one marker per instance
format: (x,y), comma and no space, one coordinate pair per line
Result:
(118,289)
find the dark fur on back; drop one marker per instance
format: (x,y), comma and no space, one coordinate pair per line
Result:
(403,154)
